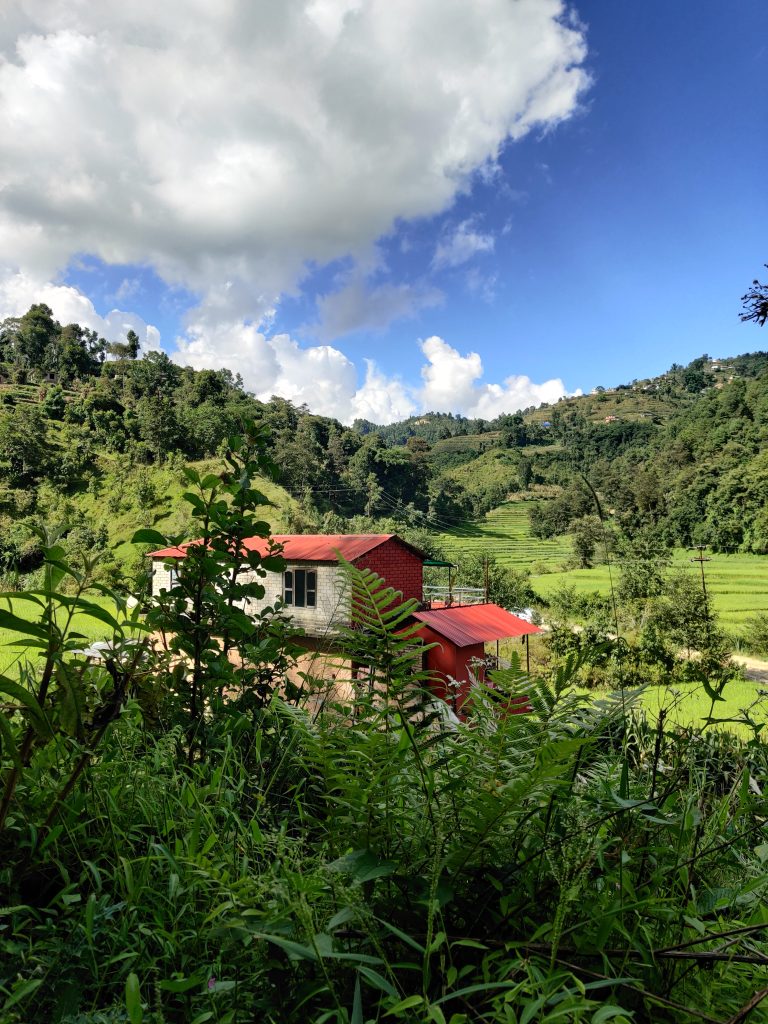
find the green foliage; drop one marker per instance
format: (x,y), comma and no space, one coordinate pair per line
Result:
(586,533)
(507,587)
(685,617)
(755,303)
(757,633)
(204,619)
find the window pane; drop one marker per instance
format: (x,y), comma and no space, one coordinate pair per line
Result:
(311,589)
(288,587)
(300,587)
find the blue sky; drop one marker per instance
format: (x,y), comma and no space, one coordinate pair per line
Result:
(402,209)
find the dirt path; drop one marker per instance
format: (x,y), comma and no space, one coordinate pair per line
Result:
(754,668)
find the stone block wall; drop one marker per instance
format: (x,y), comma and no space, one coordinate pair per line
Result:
(161,577)
(329,609)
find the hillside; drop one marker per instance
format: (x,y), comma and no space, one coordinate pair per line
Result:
(96,445)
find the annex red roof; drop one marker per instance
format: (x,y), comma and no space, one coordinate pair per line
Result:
(470,624)
(309,547)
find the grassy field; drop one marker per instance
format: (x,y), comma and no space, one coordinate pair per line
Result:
(687,704)
(737,584)
(12,654)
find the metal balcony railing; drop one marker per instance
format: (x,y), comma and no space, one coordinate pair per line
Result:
(447,596)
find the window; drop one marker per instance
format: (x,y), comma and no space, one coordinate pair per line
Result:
(173,578)
(300,587)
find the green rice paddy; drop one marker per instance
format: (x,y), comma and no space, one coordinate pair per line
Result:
(687,704)
(15,648)
(737,584)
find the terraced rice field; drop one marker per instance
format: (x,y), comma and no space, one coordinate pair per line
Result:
(505,533)
(737,584)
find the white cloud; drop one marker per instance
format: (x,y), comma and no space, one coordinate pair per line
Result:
(20,291)
(324,378)
(453,383)
(319,376)
(449,378)
(228,145)
(460,246)
(127,288)
(382,399)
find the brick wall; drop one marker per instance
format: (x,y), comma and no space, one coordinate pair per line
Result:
(399,566)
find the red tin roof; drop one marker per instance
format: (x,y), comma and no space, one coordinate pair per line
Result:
(470,624)
(309,547)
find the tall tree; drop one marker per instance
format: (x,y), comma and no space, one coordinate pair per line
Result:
(37,338)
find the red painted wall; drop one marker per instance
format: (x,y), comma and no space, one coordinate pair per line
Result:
(445,660)
(398,565)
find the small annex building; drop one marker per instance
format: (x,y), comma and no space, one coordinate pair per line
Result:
(460,634)
(312,584)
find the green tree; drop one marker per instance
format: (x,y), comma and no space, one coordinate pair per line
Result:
(54,403)
(132,344)
(524,473)
(36,340)
(506,587)
(81,353)
(158,426)
(643,561)
(24,450)
(586,534)
(685,616)
(204,617)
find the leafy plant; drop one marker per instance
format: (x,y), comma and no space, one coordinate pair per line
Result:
(217,646)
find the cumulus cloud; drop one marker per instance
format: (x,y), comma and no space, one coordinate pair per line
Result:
(324,379)
(382,399)
(320,377)
(229,145)
(19,291)
(453,383)
(461,245)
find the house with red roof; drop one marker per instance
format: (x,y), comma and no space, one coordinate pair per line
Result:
(312,588)
(312,584)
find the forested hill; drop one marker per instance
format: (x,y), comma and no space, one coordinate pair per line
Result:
(93,439)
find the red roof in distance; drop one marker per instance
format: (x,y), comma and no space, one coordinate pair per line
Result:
(309,547)
(469,624)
